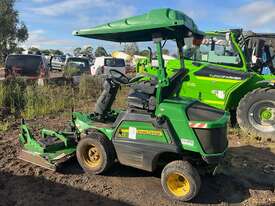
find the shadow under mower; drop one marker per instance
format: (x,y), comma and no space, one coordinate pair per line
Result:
(49,150)
(159,127)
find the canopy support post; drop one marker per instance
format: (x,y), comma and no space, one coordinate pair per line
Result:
(162,76)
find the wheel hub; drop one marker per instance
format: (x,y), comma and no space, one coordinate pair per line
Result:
(178,184)
(262,116)
(92,156)
(266,114)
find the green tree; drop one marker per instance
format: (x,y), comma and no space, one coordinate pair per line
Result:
(165,51)
(144,53)
(100,51)
(77,51)
(87,52)
(56,52)
(46,52)
(131,48)
(12,31)
(19,50)
(33,50)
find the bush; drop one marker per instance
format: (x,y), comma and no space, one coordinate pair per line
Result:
(12,95)
(90,87)
(70,71)
(47,99)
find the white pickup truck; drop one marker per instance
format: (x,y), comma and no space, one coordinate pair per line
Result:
(102,65)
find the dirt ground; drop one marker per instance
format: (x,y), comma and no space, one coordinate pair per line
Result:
(247,177)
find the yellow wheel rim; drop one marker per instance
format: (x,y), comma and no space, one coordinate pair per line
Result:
(178,185)
(91,156)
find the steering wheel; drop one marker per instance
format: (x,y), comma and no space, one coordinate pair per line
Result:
(119,77)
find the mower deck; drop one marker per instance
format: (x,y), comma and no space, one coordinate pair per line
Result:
(49,150)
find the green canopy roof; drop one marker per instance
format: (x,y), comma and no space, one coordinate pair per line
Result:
(167,23)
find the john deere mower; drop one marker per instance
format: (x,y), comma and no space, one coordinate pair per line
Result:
(181,135)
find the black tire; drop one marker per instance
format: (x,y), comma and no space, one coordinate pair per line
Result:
(95,153)
(181,171)
(250,110)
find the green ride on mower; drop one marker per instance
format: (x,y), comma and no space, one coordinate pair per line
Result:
(158,128)
(49,150)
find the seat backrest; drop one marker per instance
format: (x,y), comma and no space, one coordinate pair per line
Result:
(174,84)
(107,97)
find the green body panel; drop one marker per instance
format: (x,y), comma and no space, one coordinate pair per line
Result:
(203,88)
(84,122)
(141,28)
(169,107)
(173,109)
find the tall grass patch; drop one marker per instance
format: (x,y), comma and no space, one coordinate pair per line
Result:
(46,100)
(31,101)
(90,87)
(12,95)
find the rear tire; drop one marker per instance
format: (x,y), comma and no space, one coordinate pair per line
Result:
(256,113)
(95,153)
(180,181)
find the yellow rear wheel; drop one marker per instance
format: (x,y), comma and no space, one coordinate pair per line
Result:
(180,180)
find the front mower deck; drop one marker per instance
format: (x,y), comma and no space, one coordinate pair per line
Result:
(48,150)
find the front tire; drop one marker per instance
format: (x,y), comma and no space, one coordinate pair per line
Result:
(256,113)
(95,153)
(180,181)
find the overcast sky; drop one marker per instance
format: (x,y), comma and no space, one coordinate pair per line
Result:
(51,22)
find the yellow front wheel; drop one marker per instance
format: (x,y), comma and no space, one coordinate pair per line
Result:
(180,180)
(95,153)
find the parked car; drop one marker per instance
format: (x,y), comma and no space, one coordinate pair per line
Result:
(57,62)
(75,67)
(34,67)
(102,65)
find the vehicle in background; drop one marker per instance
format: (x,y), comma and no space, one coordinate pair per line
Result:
(103,65)
(57,62)
(76,66)
(31,67)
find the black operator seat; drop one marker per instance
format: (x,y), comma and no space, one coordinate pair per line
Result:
(175,84)
(107,97)
(143,94)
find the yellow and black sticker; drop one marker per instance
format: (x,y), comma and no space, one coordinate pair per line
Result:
(125,132)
